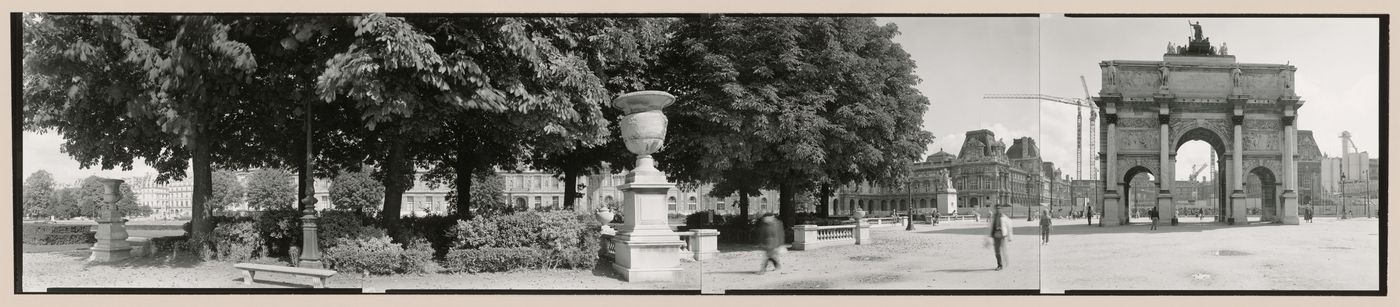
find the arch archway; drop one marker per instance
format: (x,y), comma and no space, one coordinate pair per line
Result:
(1262,190)
(1218,142)
(1139,195)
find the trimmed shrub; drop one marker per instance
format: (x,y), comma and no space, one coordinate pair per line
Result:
(55,234)
(380,255)
(563,239)
(237,241)
(435,229)
(279,229)
(333,225)
(699,220)
(493,259)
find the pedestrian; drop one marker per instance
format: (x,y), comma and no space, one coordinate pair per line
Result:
(770,236)
(1044,228)
(1308,214)
(933,218)
(1152,213)
(1089,214)
(1000,234)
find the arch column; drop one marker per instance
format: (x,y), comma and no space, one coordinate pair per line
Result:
(1112,205)
(1289,197)
(1238,214)
(1166,208)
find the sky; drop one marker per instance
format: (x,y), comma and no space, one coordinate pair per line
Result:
(961,59)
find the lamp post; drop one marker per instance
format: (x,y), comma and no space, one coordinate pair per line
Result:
(910,208)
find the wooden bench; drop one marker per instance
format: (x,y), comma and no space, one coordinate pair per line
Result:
(318,276)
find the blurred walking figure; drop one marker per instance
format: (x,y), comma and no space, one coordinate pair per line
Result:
(770,236)
(1001,233)
(1153,214)
(1044,227)
(1307,214)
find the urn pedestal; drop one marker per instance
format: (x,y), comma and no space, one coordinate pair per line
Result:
(645,246)
(1239,214)
(111,227)
(1112,210)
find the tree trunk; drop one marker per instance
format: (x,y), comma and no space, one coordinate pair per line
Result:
(570,187)
(462,168)
(743,205)
(203,185)
(823,207)
(393,184)
(787,207)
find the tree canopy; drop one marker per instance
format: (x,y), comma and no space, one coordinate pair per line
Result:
(38,194)
(271,189)
(357,191)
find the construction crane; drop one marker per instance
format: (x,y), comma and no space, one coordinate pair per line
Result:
(1366,199)
(1079,123)
(1196,170)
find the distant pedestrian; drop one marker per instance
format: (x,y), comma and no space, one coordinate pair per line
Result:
(933,218)
(1000,234)
(1044,227)
(1307,214)
(770,236)
(1089,215)
(1152,213)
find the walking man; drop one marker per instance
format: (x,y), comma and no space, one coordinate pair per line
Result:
(1089,214)
(1044,228)
(770,236)
(1001,233)
(1152,213)
(1308,214)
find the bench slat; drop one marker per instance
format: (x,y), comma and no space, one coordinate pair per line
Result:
(285,269)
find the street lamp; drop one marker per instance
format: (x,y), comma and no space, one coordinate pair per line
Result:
(910,207)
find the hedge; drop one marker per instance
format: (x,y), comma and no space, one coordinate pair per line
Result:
(380,255)
(55,234)
(493,259)
(562,239)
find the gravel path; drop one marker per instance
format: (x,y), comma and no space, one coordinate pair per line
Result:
(1328,254)
(69,269)
(951,255)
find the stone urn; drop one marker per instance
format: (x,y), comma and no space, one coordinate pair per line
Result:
(605,216)
(859,214)
(644,126)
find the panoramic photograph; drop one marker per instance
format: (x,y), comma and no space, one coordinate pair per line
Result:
(697,154)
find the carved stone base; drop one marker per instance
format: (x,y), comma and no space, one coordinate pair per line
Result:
(1289,216)
(1238,213)
(1112,210)
(647,261)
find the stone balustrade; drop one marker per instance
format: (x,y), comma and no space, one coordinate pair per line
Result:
(885,221)
(812,236)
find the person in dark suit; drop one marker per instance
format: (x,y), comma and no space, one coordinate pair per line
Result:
(770,236)
(1000,233)
(1152,213)
(1044,227)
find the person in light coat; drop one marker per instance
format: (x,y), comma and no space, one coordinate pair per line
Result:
(1000,234)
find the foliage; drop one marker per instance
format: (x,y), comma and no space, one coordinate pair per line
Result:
(356,191)
(493,259)
(86,200)
(279,229)
(52,234)
(38,194)
(562,237)
(435,229)
(380,255)
(238,241)
(271,189)
(812,100)
(333,226)
(228,192)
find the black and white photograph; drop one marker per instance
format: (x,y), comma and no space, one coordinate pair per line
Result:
(688,154)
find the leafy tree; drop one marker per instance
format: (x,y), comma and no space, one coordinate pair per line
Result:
(228,192)
(86,200)
(357,191)
(38,194)
(488,195)
(790,103)
(270,189)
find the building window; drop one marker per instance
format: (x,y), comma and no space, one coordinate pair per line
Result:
(763,203)
(538,202)
(556,202)
(671,203)
(692,203)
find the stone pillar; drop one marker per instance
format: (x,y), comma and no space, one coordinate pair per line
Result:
(1166,208)
(111,227)
(310,243)
(1112,208)
(646,247)
(1238,214)
(1289,198)
(863,233)
(705,245)
(947,201)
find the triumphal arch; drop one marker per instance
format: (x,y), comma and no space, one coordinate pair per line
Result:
(1246,112)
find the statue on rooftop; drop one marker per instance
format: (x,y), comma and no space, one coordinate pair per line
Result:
(1197,27)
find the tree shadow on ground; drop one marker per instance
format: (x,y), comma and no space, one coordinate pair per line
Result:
(604,268)
(961,270)
(161,261)
(738,247)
